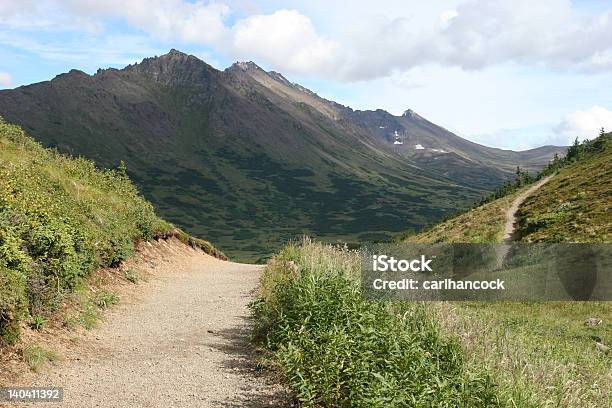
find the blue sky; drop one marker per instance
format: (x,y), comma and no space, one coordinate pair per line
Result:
(506,73)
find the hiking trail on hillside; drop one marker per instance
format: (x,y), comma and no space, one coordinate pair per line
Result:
(181,341)
(511,220)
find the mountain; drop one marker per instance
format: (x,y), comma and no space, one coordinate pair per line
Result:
(249,159)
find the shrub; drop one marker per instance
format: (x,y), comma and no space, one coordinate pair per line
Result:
(131,275)
(37,322)
(337,349)
(13,303)
(60,218)
(106,299)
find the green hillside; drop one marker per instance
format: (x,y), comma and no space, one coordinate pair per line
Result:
(538,349)
(576,205)
(60,218)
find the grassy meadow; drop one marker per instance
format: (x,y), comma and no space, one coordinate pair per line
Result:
(544,352)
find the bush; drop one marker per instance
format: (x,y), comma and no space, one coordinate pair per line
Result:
(131,276)
(106,299)
(37,322)
(337,349)
(13,304)
(60,218)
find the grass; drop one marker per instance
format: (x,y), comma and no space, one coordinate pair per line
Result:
(482,224)
(131,276)
(37,322)
(36,356)
(88,316)
(87,303)
(337,349)
(575,206)
(105,299)
(540,354)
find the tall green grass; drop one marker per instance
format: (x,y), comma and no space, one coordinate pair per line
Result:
(336,349)
(60,218)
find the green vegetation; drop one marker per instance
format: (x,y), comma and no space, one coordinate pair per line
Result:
(87,316)
(61,218)
(482,224)
(542,353)
(522,178)
(36,356)
(575,206)
(37,322)
(131,275)
(105,299)
(579,151)
(337,349)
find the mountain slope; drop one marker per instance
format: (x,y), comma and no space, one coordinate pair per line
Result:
(550,344)
(244,156)
(574,206)
(410,135)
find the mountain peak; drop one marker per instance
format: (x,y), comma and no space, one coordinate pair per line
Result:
(410,114)
(174,51)
(176,55)
(174,67)
(246,65)
(72,74)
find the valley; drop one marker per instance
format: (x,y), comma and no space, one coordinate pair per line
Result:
(250,160)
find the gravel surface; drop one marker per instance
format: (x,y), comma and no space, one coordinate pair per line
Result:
(182,341)
(510,225)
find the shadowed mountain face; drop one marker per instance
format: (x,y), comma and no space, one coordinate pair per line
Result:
(248,159)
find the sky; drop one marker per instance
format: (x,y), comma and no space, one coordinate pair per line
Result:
(514,74)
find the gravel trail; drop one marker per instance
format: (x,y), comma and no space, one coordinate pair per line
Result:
(510,225)
(182,342)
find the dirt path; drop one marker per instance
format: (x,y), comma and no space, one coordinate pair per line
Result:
(510,226)
(182,342)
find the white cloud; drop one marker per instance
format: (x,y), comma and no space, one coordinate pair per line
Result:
(5,79)
(447,16)
(197,22)
(470,34)
(583,124)
(285,39)
(482,33)
(551,32)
